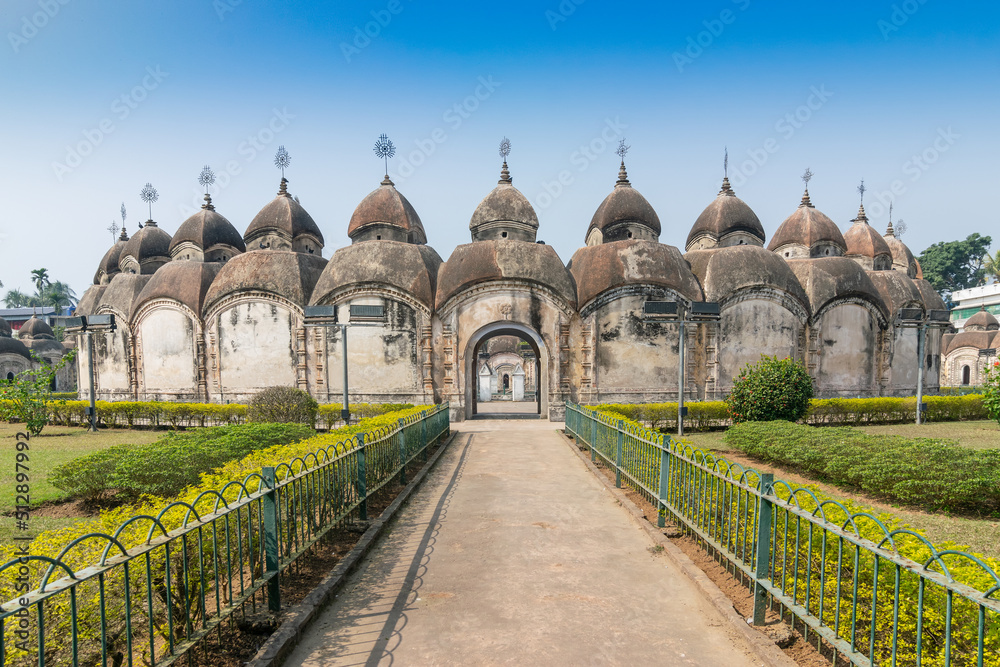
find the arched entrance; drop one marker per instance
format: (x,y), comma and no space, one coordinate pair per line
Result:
(535,359)
(966,373)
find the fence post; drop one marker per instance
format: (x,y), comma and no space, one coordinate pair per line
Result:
(271,559)
(593,438)
(402,452)
(362,477)
(618,458)
(423,433)
(661,511)
(763,547)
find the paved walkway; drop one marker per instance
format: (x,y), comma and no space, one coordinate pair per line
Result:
(512,553)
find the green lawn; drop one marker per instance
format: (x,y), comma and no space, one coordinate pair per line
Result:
(981,535)
(56,445)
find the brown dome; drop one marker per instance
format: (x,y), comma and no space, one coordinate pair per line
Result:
(405,266)
(385,206)
(902,258)
(285,217)
(90,300)
(807,227)
(34,329)
(109,265)
(149,245)
(121,294)
(207,229)
(898,291)
(727,214)
(484,261)
(506,209)
(624,205)
(5,330)
(13,346)
(826,279)
(981,321)
(186,282)
(600,268)
(724,272)
(864,241)
(290,275)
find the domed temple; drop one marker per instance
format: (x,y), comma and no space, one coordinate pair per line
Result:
(212,315)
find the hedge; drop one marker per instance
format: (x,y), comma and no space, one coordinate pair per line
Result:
(175,415)
(707,415)
(936,474)
(165,467)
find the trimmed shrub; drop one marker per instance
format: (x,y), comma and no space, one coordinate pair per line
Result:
(165,467)
(282,405)
(770,389)
(933,473)
(991,391)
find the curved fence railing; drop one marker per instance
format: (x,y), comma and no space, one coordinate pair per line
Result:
(874,595)
(151,592)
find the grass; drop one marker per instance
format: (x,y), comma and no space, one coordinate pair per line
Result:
(980,535)
(56,445)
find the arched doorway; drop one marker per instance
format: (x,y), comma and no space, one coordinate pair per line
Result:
(533,376)
(966,375)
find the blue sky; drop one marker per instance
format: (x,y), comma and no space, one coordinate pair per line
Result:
(98,100)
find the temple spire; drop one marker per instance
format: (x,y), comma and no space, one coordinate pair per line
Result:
(889,230)
(207,178)
(806,177)
(281,160)
(622,151)
(726,188)
(504,152)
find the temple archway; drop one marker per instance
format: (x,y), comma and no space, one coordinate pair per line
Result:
(535,378)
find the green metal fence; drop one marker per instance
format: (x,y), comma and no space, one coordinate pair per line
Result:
(873,595)
(148,604)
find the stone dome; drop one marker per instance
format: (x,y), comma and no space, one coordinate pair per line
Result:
(979,340)
(808,233)
(867,246)
(932,300)
(109,263)
(36,329)
(206,235)
(284,225)
(600,268)
(290,275)
(146,251)
(121,294)
(902,258)
(624,214)
(10,345)
(897,290)
(5,330)
(726,221)
(827,279)
(406,267)
(724,272)
(185,282)
(504,213)
(385,214)
(981,321)
(484,261)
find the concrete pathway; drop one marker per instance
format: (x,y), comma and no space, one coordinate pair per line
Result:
(512,553)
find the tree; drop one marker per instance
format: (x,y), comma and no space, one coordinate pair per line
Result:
(15,298)
(41,279)
(25,398)
(991,266)
(770,389)
(58,294)
(955,265)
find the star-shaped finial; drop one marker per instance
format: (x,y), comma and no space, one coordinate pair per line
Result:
(282,159)
(385,149)
(206,177)
(505,148)
(807,176)
(622,149)
(862,190)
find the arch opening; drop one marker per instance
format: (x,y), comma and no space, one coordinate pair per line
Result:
(506,372)
(966,375)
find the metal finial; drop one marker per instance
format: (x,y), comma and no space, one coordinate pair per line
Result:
(207,177)
(505,148)
(123,214)
(725,164)
(281,160)
(622,149)
(385,150)
(861,190)
(807,176)
(113,228)
(149,195)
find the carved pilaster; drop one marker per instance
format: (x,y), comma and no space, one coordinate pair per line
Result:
(202,371)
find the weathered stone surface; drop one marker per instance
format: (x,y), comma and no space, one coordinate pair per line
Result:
(826,279)
(91,299)
(807,227)
(724,272)
(149,248)
(483,261)
(862,240)
(725,215)
(387,206)
(897,290)
(121,294)
(624,205)
(600,268)
(291,275)
(981,321)
(182,281)
(504,209)
(979,340)
(404,266)
(109,263)
(287,218)
(932,300)
(207,229)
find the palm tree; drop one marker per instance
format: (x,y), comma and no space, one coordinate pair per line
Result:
(41,279)
(991,266)
(15,298)
(58,294)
